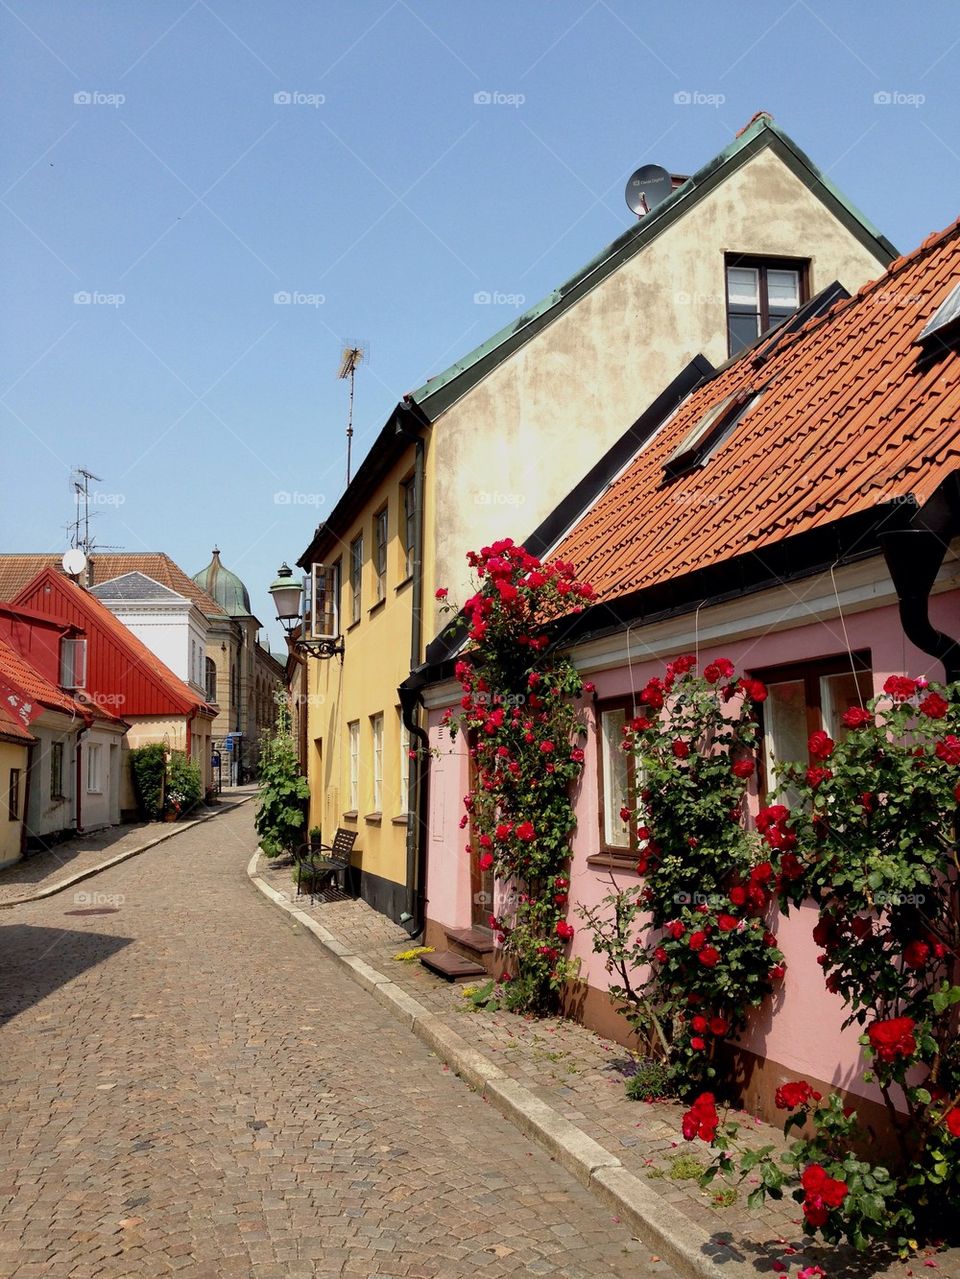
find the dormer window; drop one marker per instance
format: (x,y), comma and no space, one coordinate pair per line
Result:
(761,293)
(73,663)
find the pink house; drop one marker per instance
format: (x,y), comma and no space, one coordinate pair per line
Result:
(799,513)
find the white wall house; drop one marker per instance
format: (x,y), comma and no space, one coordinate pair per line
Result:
(169,624)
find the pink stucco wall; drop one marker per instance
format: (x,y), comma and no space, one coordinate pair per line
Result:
(801,1028)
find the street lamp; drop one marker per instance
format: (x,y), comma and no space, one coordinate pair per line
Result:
(286,597)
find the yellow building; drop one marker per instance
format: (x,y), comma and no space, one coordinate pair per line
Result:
(15,744)
(498,443)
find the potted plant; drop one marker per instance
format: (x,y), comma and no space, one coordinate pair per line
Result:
(315,838)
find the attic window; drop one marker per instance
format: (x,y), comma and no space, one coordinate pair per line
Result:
(943,326)
(709,433)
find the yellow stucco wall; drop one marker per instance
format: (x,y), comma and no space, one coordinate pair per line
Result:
(517,443)
(11,756)
(364,684)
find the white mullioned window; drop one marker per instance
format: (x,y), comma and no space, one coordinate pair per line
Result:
(376,731)
(353,748)
(94,766)
(404,772)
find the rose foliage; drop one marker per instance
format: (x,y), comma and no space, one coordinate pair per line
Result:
(519,714)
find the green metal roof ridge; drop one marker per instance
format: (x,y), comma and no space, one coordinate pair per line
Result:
(761,132)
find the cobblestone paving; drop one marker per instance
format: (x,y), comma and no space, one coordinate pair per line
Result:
(190,1087)
(582,1076)
(42,870)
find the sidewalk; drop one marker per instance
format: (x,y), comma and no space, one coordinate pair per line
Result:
(41,874)
(581,1077)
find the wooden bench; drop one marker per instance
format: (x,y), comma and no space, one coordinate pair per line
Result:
(322,863)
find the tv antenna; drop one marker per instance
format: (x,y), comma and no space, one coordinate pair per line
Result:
(647,187)
(80,534)
(353,355)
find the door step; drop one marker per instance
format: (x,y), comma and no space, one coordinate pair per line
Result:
(451,966)
(477,940)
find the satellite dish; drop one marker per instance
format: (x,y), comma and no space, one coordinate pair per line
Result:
(647,187)
(74,562)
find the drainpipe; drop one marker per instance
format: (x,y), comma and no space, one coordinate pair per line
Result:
(914,556)
(78,771)
(414,916)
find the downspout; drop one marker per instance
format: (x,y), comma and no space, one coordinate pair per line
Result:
(27,785)
(79,821)
(414,916)
(914,556)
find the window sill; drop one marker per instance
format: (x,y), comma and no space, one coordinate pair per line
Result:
(623,862)
(402,585)
(373,819)
(399,820)
(375,608)
(353,626)
(351,816)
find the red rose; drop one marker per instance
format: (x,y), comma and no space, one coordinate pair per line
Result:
(660,955)
(742,768)
(722,668)
(777,972)
(709,956)
(820,745)
(486,861)
(817,776)
(916,954)
(949,749)
(441,593)
(899,687)
(718,1026)
(526,832)
(701,1120)
(697,940)
(546,748)
(792,1096)
(698,1024)
(697,1043)
(680,749)
(504,830)
(676,929)
(952,1121)
(933,706)
(861,926)
(738,895)
(893,1038)
(857,717)
(576,755)
(727,923)
(564,930)
(753,689)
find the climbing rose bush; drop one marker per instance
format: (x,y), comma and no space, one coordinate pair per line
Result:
(519,714)
(872,839)
(689,947)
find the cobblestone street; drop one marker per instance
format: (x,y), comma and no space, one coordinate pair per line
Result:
(190,1087)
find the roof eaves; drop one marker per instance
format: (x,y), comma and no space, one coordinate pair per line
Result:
(440,392)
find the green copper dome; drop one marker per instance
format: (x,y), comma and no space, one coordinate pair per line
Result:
(225,587)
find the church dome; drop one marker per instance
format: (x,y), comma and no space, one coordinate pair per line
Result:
(225,587)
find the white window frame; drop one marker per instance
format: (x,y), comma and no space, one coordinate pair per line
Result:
(403,807)
(353,764)
(94,753)
(376,755)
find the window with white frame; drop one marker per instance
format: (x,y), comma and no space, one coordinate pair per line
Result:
(94,766)
(761,293)
(353,764)
(616,787)
(409,525)
(404,771)
(356,577)
(376,735)
(56,770)
(803,698)
(380,552)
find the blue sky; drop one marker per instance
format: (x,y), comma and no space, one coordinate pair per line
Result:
(149,163)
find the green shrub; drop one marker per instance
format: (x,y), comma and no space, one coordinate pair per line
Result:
(280,818)
(651,1080)
(184,784)
(148,765)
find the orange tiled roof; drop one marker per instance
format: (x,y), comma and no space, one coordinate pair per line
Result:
(17,570)
(11,730)
(850,418)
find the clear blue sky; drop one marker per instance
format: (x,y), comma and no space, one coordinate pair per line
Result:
(395,199)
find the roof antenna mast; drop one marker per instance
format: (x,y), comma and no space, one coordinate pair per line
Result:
(354,353)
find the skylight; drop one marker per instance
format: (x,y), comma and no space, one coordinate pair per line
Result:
(704,439)
(943,319)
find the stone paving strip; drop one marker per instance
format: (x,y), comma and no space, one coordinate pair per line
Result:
(564,1086)
(42,874)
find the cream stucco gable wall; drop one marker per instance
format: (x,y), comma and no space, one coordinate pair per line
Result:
(519,441)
